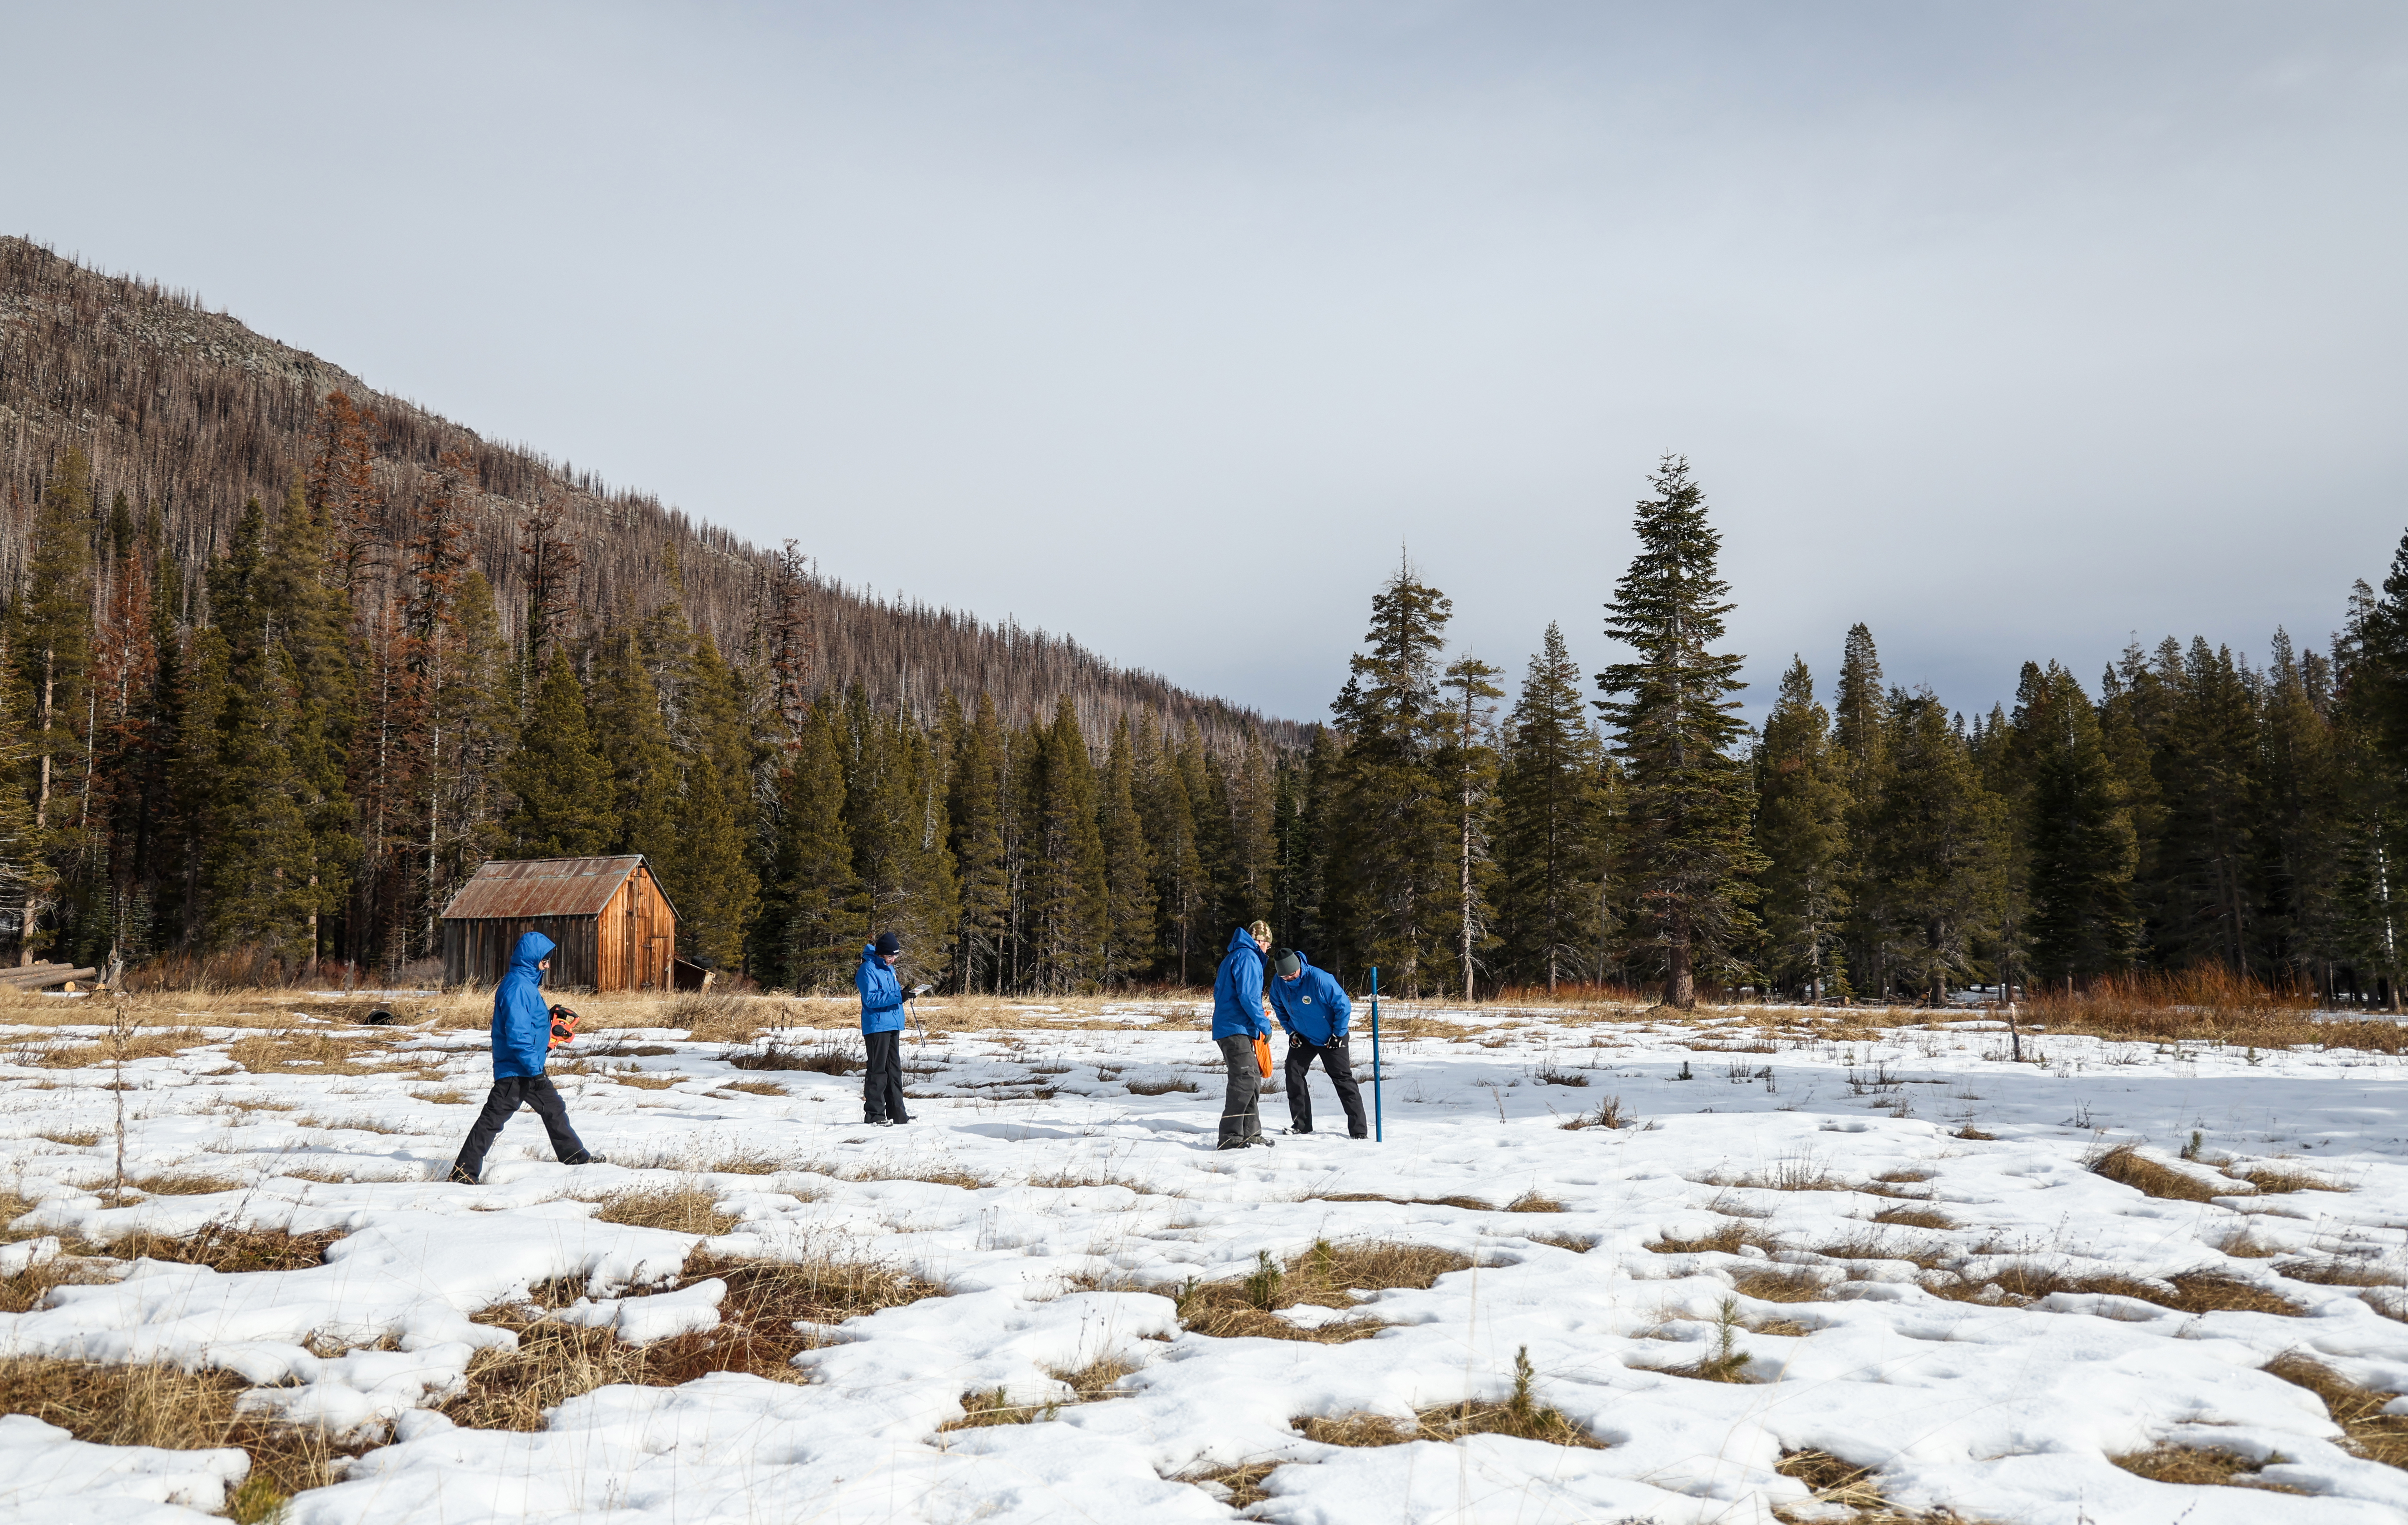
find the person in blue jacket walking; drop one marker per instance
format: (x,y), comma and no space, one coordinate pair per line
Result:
(1313,1008)
(1240,1015)
(522,1039)
(882,1030)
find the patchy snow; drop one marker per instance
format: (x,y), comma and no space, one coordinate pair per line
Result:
(1105,1199)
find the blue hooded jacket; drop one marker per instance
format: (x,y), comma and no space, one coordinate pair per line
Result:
(1237,991)
(882,994)
(522,1017)
(1312,1007)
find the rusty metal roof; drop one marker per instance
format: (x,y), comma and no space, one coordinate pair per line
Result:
(541,887)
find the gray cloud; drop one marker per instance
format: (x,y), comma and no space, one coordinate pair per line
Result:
(2010,331)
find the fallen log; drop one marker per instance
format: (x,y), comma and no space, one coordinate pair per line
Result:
(37,978)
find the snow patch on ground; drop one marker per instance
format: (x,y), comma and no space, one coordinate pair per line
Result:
(2000,1411)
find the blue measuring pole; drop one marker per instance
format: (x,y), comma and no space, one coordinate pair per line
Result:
(1378,1134)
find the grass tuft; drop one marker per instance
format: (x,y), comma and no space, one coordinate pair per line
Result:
(1533,1201)
(2372,1433)
(1520,1416)
(175,1410)
(1608,1114)
(1159,1088)
(688,1207)
(2198,1466)
(2124,1163)
(1323,1275)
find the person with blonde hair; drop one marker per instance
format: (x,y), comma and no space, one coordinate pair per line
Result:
(1241,1015)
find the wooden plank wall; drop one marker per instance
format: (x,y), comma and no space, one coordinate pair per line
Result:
(480,950)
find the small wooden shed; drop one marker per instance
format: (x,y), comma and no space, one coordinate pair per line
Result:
(616,931)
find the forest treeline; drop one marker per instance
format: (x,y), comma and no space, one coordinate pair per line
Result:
(283,663)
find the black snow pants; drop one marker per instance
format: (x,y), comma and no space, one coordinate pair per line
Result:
(882,1088)
(509,1093)
(1341,1069)
(1241,1103)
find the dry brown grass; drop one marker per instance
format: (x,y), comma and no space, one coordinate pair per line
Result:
(1243,1485)
(642,1081)
(183,1183)
(2275,1180)
(1088,1384)
(1159,1088)
(1323,1275)
(224,1247)
(1914,1218)
(1609,1113)
(2194,1291)
(143,1044)
(2198,1466)
(1069,1176)
(450,1096)
(2339,1272)
(2124,1163)
(511,1389)
(73,1139)
(2372,1433)
(688,1207)
(755,1087)
(1519,1415)
(2210,1005)
(313,1052)
(1782,1284)
(1836,1482)
(823,1059)
(1533,1201)
(161,1406)
(1469,1205)
(1728,1237)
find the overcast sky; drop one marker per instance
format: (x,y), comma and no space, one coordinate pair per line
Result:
(2010,330)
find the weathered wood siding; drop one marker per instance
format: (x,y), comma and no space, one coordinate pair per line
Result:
(628,946)
(480,950)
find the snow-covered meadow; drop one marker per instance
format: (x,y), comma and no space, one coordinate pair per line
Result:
(1822,1271)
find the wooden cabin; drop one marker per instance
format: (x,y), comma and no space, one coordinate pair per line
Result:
(616,931)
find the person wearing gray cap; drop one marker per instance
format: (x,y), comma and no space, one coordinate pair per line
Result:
(1314,1010)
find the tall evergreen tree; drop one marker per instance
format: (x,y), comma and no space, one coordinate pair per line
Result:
(1469,759)
(811,882)
(1802,827)
(1937,845)
(1553,825)
(625,710)
(1128,863)
(1392,853)
(1068,895)
(557,777)
(1686,844)
(2083,849)
(710,873)
(976,815)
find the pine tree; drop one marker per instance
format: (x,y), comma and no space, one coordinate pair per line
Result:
(1254,845)
(1802,827)
(1551,825)
(1469,761)
(1182,887)
(1686,844)
(1068,893)
(894,815)
(53,651)
(1128,864)
(976,815)
(1938,841)
(625,710)
(2083,923)
(815,947)
(1392,852)
(311,621)
(1302,822)
(709,872)
(557,777)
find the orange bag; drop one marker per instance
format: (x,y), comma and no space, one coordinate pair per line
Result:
(1263,1055)
(564,1025)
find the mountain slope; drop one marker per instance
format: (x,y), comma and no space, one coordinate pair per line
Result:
(192,410)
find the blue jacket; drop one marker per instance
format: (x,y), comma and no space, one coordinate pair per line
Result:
(1237,991)
(1312,1007)
(882,994)
(522,1017)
